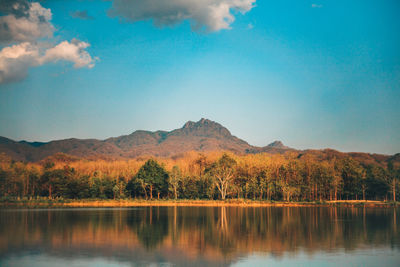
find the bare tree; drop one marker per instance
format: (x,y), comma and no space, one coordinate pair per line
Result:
(223,171)
(174,178)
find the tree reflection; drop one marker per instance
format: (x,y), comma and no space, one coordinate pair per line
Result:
(203,234)
(150,226)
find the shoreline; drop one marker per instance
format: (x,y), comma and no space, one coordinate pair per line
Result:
(92,203)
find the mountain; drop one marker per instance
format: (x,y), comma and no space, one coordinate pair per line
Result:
(273,148)
(204,135)
(201,136)
(277,144)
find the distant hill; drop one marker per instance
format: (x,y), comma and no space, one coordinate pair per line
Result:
(204,135)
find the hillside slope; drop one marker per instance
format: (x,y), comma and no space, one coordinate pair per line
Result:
(204,135)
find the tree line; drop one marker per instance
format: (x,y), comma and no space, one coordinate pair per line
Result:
(204,176)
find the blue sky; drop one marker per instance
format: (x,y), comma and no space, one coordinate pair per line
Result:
(313,74)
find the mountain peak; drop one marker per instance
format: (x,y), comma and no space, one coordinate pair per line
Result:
(204,121)
(277,144)
(201,122)
(188,124)
(205,127)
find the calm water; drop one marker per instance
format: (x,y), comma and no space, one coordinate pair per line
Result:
(200,236)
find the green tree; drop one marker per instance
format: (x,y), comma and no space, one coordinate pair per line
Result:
(78,187)
(205,187)
(352,174)
(376,182)
(152,177)
(4,182)
(189,188)
(51,181)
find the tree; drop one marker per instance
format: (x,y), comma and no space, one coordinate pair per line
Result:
(152,177)
(77,187)
(115,190)
(205,187)
(174,178)
(393,179)
(285,182)
(376,181)
(4,182)
(51,181)
(224,173)
(189,187)
(201,161)
(352,173)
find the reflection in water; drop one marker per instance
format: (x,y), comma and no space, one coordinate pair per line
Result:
(196,236)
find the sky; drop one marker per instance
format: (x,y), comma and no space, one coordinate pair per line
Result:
(313,74)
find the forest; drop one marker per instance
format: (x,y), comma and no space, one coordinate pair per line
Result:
(193,175)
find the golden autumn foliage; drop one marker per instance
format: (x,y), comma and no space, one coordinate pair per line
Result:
(289,176)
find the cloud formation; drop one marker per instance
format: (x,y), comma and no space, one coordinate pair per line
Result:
(26,22)
(73,51)
(316,6)
(81,15)
(17,7)
(208,15)
(27,26)
(17,59)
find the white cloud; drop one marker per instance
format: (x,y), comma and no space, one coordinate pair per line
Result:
(73,51)
(209,15)
(17,59)
(29,25)
(316,6)
(25,23)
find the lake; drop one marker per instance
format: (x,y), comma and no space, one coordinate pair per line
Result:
(200,236)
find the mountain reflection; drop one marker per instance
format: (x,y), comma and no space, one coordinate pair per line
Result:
(196,235)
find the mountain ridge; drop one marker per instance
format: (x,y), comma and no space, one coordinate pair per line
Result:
(203,135)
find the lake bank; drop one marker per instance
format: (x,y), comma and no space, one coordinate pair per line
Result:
(195,203)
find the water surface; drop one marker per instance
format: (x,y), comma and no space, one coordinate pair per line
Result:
(200,236)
